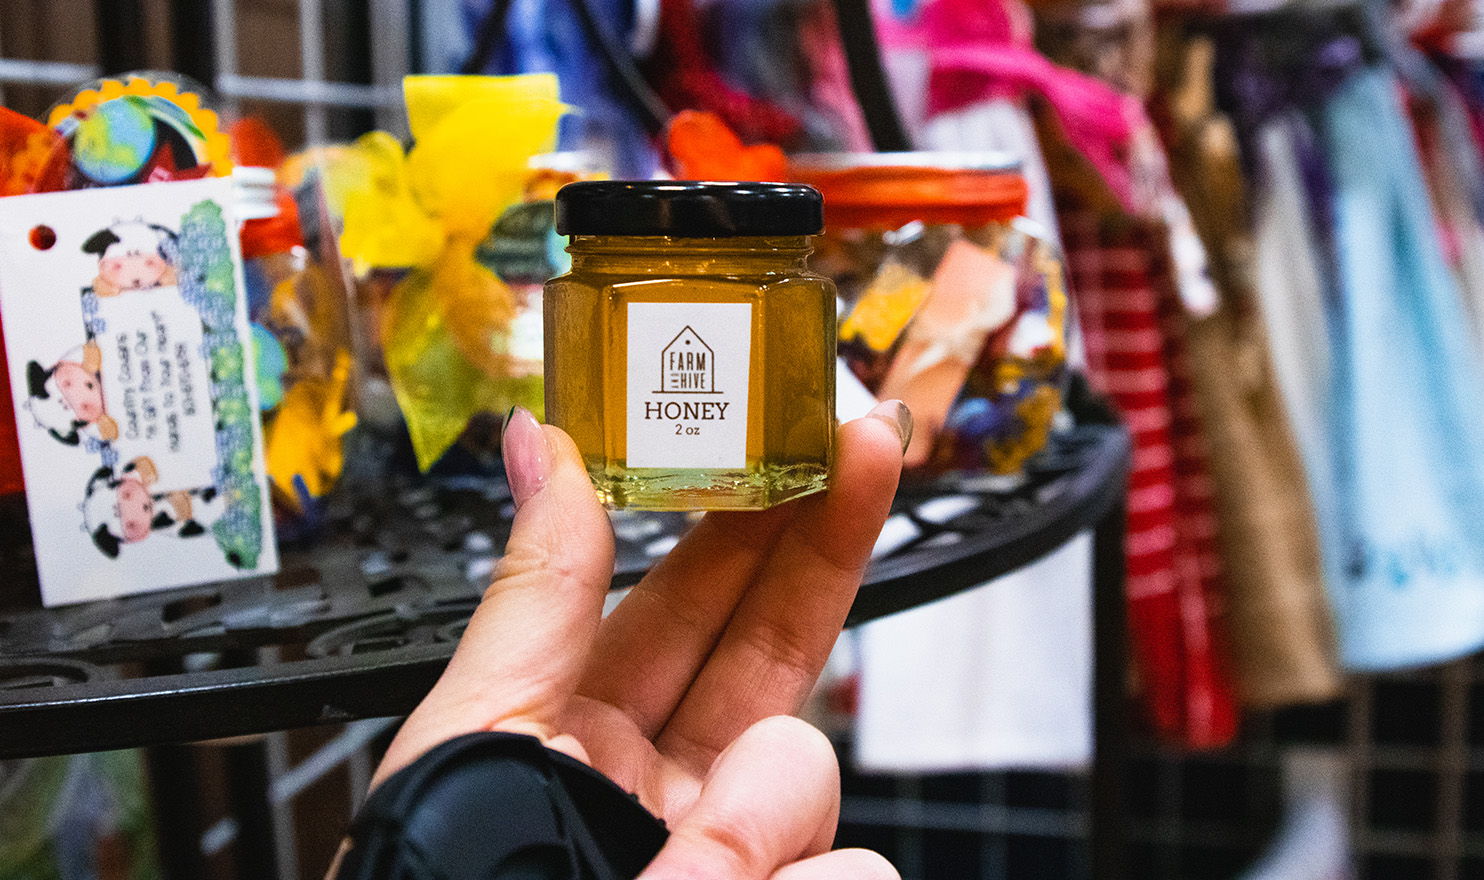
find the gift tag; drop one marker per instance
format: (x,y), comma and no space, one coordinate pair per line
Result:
(130,361)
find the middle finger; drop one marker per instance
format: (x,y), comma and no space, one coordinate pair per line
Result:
(781,632)
(650,648)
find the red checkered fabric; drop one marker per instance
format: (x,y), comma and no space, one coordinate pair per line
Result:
(1131,324)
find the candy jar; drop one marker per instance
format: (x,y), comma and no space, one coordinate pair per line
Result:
(956,303)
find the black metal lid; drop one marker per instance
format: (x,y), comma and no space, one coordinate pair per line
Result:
(688,208)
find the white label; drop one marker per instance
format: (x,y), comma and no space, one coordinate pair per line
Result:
(688,380)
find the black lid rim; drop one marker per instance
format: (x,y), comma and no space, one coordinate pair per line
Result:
(688,208)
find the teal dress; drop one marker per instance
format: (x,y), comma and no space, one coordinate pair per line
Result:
(1403,522)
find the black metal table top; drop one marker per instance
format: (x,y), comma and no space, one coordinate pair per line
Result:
(360,622)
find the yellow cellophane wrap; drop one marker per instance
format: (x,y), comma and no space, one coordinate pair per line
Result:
(443,327)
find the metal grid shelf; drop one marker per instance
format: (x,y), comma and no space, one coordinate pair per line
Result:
(1411,745)
(361,623)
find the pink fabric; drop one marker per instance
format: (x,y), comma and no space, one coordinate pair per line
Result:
(981,49)
(819,38)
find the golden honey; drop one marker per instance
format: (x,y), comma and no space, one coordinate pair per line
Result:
(691,360)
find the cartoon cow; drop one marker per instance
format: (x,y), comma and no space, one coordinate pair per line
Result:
(119,508)
(66,398)
(132,255)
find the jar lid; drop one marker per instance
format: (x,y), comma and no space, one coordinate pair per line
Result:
(687,208)
(948,160)
(888,190)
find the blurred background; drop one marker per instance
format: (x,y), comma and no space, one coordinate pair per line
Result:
(1270,216)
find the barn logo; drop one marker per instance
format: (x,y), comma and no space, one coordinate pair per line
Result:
(687,365)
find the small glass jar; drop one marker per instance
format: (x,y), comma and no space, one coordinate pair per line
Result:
(690,351)
(956,303)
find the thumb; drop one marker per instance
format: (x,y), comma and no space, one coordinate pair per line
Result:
(770,798)
(521,656)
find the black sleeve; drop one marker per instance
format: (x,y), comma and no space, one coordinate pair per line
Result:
(500,806)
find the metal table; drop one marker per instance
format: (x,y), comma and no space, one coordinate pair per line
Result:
(359,625)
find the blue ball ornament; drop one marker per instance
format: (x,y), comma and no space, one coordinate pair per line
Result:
(115,141)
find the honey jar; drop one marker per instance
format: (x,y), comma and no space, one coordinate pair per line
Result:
(690,350)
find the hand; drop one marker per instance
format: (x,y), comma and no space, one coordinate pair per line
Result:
(683,694)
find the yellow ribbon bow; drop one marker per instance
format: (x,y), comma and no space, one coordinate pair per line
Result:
(444,327)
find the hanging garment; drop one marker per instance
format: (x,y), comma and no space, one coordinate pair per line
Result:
(1291,286)
(983,50)
(752,45)
(1280,68)
(829,77)
(977,51)
(1112,40)
(1281,632)
(682,72)
(1449,158)
(541,36)
(1010,662)
(790,54)
(1467,76)
(997,677)
(1406,562)
(1282,639)
(1136,266)
(1130,319)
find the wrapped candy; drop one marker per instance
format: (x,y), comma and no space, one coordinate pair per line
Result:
(959,303)
(444,327)
(303,440)
(33,158)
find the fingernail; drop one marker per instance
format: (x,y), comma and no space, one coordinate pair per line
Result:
(527,457)
(896,414)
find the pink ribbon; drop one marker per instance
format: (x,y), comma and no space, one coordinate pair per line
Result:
(978,50)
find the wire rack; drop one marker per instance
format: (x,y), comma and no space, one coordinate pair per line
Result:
(361,621)
(362,618)
(1412,748)
(320,69)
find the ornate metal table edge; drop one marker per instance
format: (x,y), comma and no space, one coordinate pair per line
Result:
(364,629)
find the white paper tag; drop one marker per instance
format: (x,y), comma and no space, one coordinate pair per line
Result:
(136,399)
(688,375)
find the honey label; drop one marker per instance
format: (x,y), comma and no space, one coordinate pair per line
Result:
(688,375)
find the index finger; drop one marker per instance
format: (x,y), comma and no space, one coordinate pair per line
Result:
(522,653)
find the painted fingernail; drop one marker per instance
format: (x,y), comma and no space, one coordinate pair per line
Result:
(527,457)
(896,414)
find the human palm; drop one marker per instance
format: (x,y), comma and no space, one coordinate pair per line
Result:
(684,694)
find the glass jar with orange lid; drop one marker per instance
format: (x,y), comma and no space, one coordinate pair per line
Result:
(955,302)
